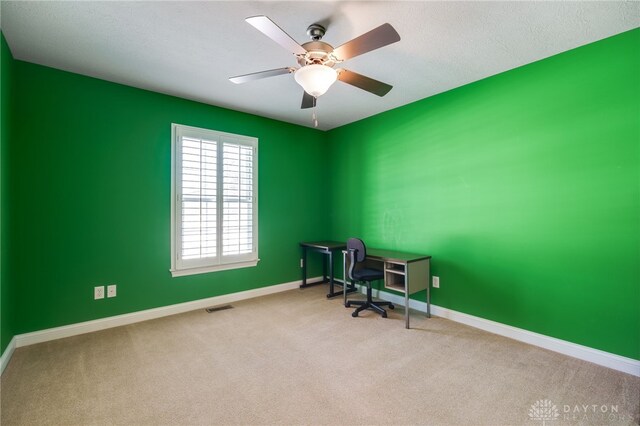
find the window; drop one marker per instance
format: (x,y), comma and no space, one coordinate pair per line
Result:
(214,211)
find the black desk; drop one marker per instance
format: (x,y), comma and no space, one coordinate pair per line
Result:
(327,248)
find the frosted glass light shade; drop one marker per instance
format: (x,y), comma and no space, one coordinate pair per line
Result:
(315,79)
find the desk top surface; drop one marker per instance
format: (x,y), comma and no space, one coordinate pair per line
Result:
(384,255)
(325,245)
(392,255)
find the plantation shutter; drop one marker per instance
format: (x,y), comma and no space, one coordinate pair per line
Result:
(237,189)
(199,202)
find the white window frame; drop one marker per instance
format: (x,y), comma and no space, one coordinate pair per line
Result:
(220,262)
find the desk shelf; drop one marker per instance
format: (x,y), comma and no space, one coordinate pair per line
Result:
(394,281)
(398,268)
(394,276)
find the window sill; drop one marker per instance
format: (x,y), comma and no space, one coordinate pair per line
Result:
(215,268)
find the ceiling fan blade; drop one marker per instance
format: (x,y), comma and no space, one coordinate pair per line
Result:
(308,101)
(376,38)
(269,28)
(365,83)
(260,75)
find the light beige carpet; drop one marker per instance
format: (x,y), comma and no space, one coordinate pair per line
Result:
(298,358)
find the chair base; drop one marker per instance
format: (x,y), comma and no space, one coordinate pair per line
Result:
(369,304)
(374,306)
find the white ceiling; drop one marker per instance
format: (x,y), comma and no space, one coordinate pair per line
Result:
(189,49)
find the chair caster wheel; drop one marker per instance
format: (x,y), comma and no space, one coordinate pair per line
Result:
(391,307)
(348,305)
(384,315)
(355,315)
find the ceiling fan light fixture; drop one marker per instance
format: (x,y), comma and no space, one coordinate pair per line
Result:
(316,79)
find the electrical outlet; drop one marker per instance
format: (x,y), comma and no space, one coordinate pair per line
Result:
(301,263)
(98,292)
(436,282)
(111,290)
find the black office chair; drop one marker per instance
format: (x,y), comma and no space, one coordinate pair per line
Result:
(357,254)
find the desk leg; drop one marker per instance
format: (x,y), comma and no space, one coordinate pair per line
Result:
(428,299)
(324,269)
(330,257)
(304,267)
(344,278)
(406,308)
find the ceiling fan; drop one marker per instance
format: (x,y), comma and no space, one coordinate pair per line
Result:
(317,59)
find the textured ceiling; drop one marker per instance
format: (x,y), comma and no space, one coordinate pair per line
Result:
(189,49)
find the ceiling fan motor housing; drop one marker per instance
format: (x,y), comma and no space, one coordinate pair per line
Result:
(318,53)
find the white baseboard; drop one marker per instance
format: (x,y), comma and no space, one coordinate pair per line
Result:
(6,355)
(148,314)
(585,353)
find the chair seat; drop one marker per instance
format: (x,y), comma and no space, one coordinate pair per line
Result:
(367,274)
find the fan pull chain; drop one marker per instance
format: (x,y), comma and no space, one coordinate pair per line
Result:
(314,118)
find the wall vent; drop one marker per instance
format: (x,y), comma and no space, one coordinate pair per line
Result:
(218,308)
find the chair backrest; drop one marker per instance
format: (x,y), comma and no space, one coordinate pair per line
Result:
(357,253)
(360,250)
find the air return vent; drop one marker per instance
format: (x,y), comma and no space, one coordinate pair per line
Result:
(218,308)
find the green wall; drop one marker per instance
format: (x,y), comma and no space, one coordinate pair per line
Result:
(90,198)
(525,188)
(6,86)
